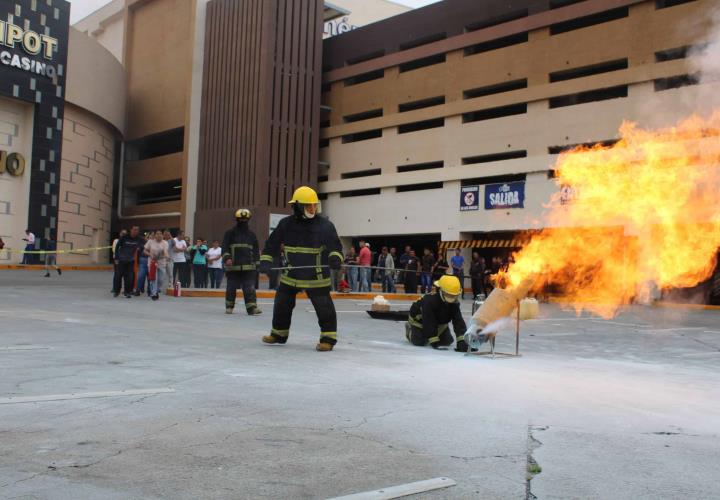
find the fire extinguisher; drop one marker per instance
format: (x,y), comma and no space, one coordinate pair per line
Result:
(177,289)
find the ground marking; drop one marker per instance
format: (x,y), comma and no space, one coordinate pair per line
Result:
(402,490)
(24,348)
(83,395)
(655,330)
(617,323)
(313,310)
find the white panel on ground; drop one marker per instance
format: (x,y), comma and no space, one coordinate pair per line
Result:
(401,491)
(83,395)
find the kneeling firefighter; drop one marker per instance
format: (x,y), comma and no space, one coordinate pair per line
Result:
(431,314)
(311,246)
(241,254)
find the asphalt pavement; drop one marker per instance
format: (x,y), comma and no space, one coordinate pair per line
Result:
(115,398)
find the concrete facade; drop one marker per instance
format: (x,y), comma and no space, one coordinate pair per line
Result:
(67,126)
(161,44)
(633,40)
(16,125)
(86,187)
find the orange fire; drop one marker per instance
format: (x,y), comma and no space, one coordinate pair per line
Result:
(644,212)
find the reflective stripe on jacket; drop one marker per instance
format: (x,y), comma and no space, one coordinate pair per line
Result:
(307,242)
(241,246)
(432,315)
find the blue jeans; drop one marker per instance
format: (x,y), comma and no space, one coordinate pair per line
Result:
(28,257)
(352,274)
(364,279)
(142,274)
(389,282)
(426,282)
(461,276)
(216,276)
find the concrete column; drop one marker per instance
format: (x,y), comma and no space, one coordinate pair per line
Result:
(192,135)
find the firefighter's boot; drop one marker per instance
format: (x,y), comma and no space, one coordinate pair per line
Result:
(274,338)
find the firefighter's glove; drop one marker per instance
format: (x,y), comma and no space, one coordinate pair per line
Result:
(461,346)
(265,266)
(334,262)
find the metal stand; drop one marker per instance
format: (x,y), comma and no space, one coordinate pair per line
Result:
(492,352)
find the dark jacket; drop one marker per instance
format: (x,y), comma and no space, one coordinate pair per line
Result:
(308,242)
(428,261)
(241,246)
(477,268)
(431,314)
(441,267)
(127,247)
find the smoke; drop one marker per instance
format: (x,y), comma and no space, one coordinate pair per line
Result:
(704,63)
(705,58)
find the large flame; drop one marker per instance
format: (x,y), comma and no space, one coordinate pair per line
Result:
(644,211)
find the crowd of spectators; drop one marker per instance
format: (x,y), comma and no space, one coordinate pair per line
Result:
(145,264)
(363,267)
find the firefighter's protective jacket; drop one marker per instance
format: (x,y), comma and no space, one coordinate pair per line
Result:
(308,244)
(241,246)
(432,315)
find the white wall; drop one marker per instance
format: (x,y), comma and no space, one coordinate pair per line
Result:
(106,25)
(16,122)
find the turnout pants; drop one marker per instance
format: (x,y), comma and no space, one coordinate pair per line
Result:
(443,338)
(244,280)
(321,301)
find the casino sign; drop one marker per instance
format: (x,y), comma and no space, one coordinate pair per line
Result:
(33,44)
(13,163)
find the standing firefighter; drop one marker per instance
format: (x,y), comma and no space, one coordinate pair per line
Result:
(241,253)
(311,245)
(430,317)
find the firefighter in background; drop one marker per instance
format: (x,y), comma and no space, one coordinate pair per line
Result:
(241,254)
(312,245)
(431,314)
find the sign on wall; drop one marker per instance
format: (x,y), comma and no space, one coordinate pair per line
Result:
(338,27)
(33,67)
(275,220)
(13,163)
(506,195)
(469,198)
(31,43)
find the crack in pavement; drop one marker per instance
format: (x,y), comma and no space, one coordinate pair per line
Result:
(533,468)
(706,344)
(53,468)
(23,480)
(90,464)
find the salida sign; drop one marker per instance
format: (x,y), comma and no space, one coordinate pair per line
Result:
(33,44)
(506,195)
(13,163)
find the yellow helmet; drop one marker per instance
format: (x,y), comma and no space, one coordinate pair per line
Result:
(305,195)
(450,288)
(243,213)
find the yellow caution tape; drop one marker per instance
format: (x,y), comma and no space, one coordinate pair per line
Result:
(72,250)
